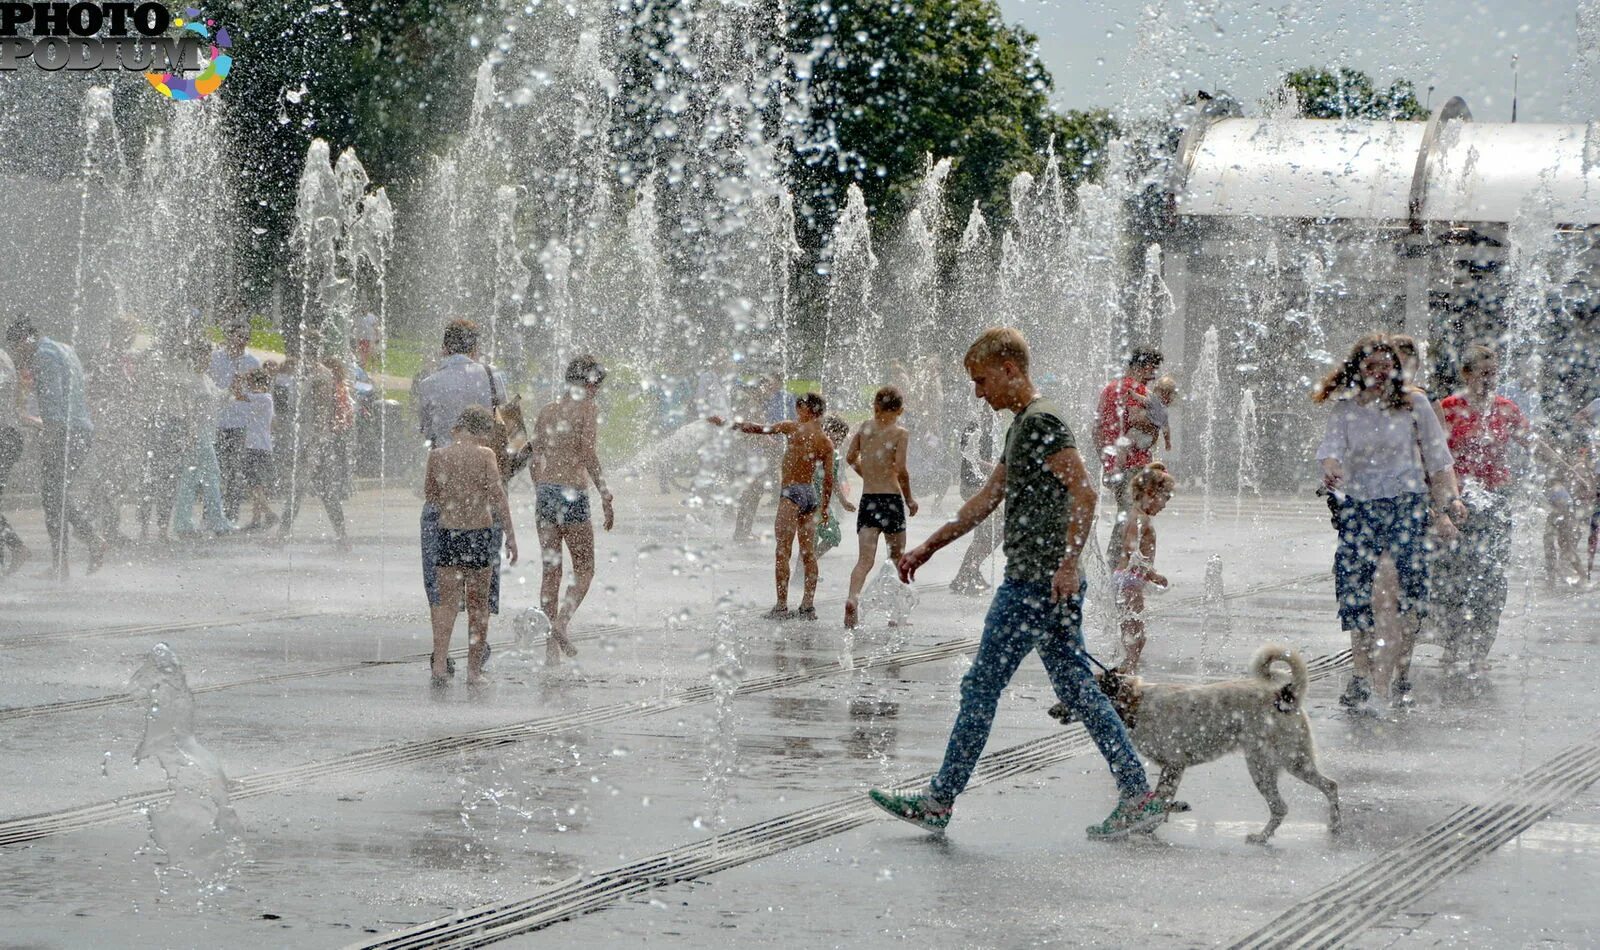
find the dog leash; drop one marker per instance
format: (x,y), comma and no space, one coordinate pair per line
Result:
(1091,656)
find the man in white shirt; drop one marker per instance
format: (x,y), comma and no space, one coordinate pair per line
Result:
(459,381)
(229,364)
(11,546)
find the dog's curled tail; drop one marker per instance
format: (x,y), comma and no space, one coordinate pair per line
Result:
(1261,667)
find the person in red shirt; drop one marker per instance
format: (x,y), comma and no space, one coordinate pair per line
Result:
(1111,425)
(1470,574)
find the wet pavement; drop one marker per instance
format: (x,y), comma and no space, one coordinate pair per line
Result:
(697,776)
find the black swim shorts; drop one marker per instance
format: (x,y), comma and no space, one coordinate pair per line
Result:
(470,549)
(886,512)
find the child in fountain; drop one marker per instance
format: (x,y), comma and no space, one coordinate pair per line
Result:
(878,453)
(798,505)
(259,470)
(828,535)
(1148,420)
(565,459)
(1151,488)
(463,483)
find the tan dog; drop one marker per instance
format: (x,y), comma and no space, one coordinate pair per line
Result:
(1264,717)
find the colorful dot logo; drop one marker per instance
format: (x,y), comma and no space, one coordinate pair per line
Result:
(179,87)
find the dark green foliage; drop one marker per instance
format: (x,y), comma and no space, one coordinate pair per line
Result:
(391,78)
(1350,93)
(896,80)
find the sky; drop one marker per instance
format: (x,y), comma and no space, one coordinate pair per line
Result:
(1114,53)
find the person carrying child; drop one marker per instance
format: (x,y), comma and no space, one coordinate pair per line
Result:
(463,483)
(1150,487)
(878,454)
(808,447)
(1148,421)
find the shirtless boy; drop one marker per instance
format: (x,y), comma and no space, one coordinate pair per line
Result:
(878,454)
(463,483)
(798,507)
(564,462)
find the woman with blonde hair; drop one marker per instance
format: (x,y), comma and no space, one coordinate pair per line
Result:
(1383,455)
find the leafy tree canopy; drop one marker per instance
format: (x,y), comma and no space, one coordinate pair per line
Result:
(1350,93)
(901,79)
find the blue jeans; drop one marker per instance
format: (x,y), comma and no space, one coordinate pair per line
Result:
(1368,530)
(202,474)
(430,559)
(1020,620)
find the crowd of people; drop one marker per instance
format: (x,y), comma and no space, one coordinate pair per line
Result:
(1421,495)
(181,423)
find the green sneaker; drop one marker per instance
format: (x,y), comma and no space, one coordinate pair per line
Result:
(1130,815)
(920,810)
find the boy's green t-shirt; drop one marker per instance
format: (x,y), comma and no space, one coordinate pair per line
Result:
(1037,503)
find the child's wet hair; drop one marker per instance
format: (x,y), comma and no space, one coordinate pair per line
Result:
(476,420)
(585,370)
(836,429)
(1151,479)
(259,380)
(888,399)
(814,402)
(1165,384)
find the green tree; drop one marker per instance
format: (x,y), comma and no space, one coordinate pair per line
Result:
(1350,93)
(364,73)
(895,80)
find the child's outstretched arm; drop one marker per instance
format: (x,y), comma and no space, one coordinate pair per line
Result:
(755,428)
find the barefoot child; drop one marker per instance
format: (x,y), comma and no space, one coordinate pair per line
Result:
(564,461)
(463,483)
(1152,488)
(808,447)
(878,454)
(1049,510)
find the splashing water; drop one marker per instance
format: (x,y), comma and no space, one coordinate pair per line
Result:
(886,594)
(1216,625)
(1249,463)
(197,832)
(1208,394)
(722,748)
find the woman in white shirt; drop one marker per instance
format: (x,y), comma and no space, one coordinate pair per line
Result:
(1382,456)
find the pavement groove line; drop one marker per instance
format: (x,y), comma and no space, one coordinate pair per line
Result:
(586,893)
(136,629)
(1372,893)
(122,699)
(35,827)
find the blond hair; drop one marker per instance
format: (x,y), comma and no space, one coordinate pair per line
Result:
(997,345)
